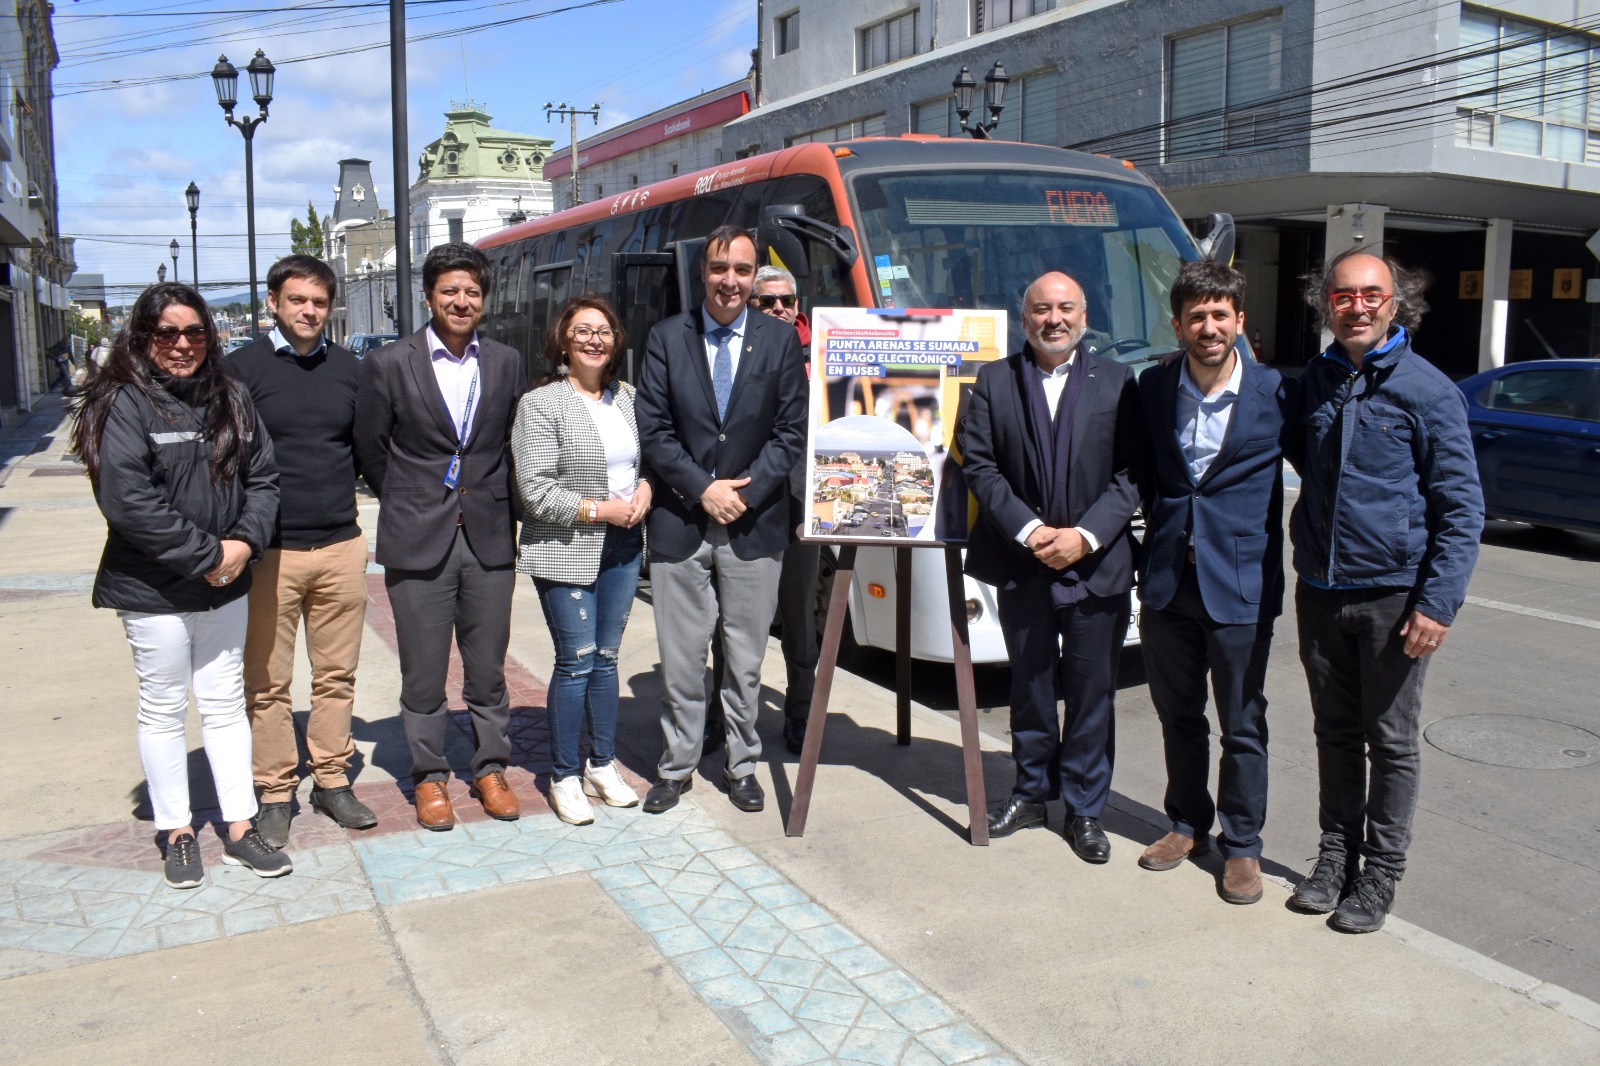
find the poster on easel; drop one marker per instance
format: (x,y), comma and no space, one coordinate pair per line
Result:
(886,388)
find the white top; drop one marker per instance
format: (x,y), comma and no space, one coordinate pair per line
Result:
(735,342)
(622,450)
(455,377)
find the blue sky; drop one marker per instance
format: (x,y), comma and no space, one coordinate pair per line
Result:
(125,154)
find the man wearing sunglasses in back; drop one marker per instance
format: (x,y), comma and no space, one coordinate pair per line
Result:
(1385,536)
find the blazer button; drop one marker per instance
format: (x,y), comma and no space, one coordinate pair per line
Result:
(463,490)
(722,436)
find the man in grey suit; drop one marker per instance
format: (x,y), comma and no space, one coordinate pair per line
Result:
(721,410)
(432,419)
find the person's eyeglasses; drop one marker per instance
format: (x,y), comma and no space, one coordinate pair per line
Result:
(167,336)
(1344,301)
(766,301)
(584,334)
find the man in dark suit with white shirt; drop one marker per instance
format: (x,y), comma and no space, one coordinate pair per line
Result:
(432,421)
(1050,445)
(1212,571)
(721,408)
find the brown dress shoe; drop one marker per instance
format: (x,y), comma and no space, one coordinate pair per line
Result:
(1241,880)
(497,798)
(433,806)
(1169,852)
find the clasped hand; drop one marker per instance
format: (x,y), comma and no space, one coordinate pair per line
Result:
(723,501)
(1057,548)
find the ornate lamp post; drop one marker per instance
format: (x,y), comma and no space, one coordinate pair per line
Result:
(225,78)
(161,273)
(173,248)
(994,98)
(192,196)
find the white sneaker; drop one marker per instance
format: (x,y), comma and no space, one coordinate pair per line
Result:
(605,783)
(566,799)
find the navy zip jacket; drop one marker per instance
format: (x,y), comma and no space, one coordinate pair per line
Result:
(1389,494)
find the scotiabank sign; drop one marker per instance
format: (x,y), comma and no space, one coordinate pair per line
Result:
(706,116)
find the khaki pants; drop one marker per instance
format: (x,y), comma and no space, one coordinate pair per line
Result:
(327,588)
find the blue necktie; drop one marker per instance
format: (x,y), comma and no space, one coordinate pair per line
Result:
(722,370)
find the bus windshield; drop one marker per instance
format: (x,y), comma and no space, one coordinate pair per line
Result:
(977,238)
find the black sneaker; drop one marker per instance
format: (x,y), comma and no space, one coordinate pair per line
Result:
(1367,905)
(256,855)
(1324,888)
(341,805)
(183,862)
(272,822)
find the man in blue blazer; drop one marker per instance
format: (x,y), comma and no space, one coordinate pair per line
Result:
(1212,570)
(722,408)
(1050,444)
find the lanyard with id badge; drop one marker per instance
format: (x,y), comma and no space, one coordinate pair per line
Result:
(453,475)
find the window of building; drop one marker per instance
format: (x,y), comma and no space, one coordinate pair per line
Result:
(886,41)
(456,229)
(1528,89)
(1222,86)
(786,33)
(674,166)
(633,181)
(871,126)
(1030,113)
(992,14)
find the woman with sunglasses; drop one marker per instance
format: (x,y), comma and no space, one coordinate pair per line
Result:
(575,449)
(184,475)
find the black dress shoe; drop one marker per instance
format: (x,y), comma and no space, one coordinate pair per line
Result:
(663,795)
(746,794)
(341,805)
(1017,813)
(1087,839)
(272,822)
(794,734)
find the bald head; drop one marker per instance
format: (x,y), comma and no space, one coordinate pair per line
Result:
(1353,281)
(1054,316)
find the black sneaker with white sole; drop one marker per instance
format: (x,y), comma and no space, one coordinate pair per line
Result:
(183,862)
(256,855)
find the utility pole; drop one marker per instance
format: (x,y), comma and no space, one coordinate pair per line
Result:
(572,113)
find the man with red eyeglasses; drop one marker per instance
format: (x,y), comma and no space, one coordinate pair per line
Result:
(1385,536)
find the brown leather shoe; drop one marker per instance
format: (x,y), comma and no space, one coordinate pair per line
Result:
(497,798)
(1169,852)
(433,806)
(1241,880)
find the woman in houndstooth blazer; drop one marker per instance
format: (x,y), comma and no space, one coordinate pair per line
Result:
(575,450)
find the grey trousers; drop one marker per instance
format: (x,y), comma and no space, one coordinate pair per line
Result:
(462,597)
(688,611)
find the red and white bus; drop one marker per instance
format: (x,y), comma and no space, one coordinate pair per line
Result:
(909,221)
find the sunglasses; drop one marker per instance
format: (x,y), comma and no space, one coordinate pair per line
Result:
(767,301)
(167,336)
(1344,301)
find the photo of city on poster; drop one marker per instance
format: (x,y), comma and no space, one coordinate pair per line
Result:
(886,387)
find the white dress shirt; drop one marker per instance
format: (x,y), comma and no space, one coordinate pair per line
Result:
(455,377)
(1055,382)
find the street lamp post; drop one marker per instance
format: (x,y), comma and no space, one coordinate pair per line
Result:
(225,78)
(994,98)
(192,196)
(161,273)
(173,248)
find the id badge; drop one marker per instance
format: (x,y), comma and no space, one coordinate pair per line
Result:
(454,473)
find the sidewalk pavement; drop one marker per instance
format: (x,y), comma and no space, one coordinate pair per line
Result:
(700,936)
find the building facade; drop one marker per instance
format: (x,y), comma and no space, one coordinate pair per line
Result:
(682,138)
(358,239)
(35,261)
(1463,138)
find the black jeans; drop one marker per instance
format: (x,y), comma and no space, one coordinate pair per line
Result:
(1181,646)
(1366,702)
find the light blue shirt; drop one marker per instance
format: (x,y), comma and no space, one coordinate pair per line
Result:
(735,342)
(280,343)
(1203,420)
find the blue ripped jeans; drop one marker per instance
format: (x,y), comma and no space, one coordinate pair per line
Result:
(586,624)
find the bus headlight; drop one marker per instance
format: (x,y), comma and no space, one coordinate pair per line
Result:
(974,611)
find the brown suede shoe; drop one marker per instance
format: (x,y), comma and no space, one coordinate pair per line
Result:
(1241,880)
(497,798)
(1169,852)
(433,807)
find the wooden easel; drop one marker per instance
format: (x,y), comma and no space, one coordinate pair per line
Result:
(966,697)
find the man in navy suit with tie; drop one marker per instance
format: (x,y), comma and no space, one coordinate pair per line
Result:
(1050,445)
(722,409)
(1212,571)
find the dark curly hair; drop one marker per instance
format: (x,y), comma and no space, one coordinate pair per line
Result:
(227,408)
(1409,286)
(555,339)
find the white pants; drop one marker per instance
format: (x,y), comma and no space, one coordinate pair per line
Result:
(170,651)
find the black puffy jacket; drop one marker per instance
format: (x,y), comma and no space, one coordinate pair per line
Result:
(166,519)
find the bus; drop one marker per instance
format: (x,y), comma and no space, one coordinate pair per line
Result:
(912,221)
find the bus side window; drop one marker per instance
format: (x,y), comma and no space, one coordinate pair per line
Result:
(646,291)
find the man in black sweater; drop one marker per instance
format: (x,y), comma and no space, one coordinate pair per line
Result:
(315,568)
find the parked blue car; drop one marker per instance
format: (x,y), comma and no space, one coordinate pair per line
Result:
(1536,428)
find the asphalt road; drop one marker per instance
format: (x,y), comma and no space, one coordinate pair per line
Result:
(1507,838)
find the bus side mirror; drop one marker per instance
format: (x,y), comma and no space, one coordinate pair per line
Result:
(1220,238)
(783,226)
